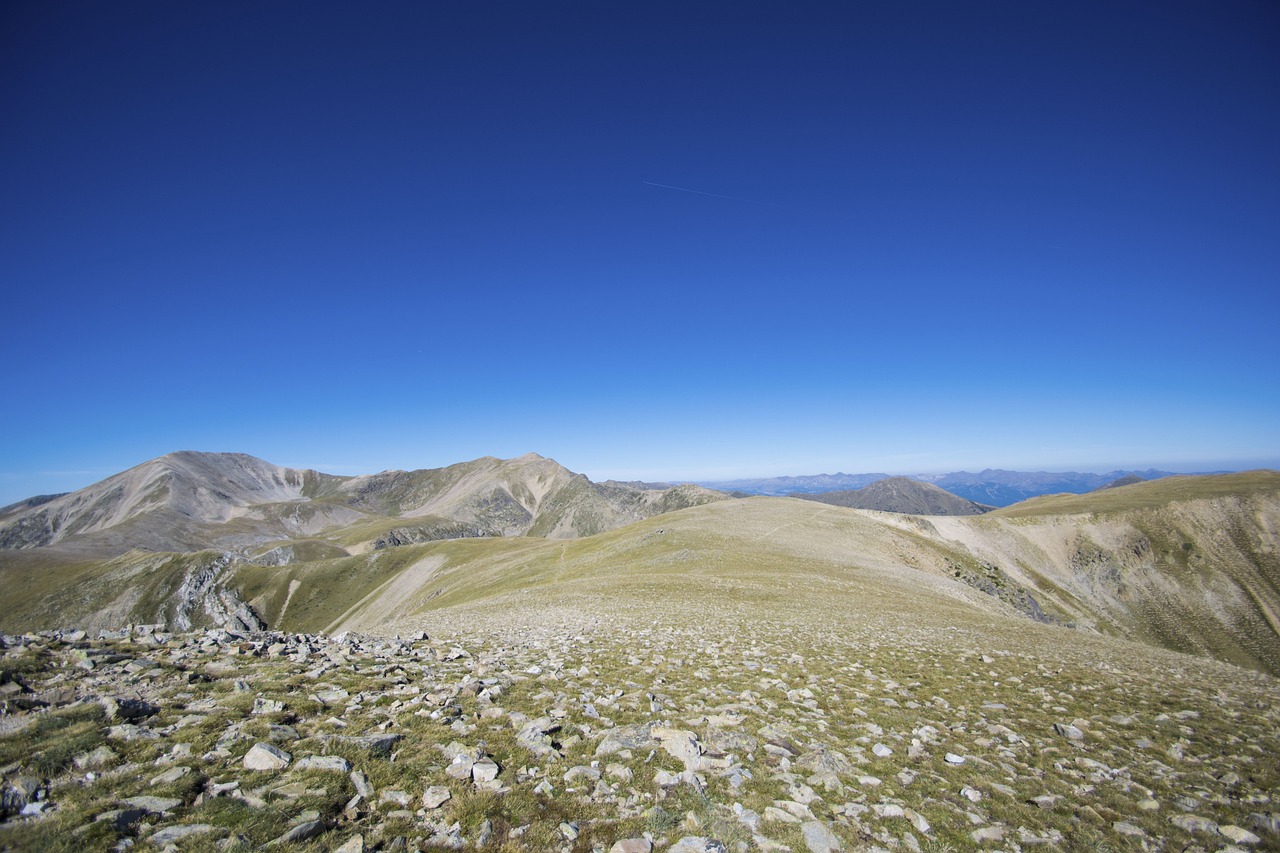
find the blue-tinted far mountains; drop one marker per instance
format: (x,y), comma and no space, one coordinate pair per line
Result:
(992,487)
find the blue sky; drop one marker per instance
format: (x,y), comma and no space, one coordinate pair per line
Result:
(650,240)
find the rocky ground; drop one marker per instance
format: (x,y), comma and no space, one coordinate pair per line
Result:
(624,735)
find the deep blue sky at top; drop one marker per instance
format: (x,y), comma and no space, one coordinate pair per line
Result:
(648,239)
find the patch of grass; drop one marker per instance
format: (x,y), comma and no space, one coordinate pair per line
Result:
(47,748)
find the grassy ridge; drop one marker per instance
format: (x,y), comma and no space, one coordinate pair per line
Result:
(1148,495)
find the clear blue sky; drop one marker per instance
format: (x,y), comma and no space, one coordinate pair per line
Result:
(660,240)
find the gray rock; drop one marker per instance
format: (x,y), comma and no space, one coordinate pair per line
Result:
(534,736)
(330,763)
(100,757)
(626,737)
(122,820)
(987,833)
(302,832)
(154,805)
(952,758)
(124,709)
(173,774)
(696,844)
(355,844)
(819,838)
(362,784)
(632,845)
(281,733)
(436,796)
(264,756)
(485,770)
(460,767)
(825,761)
(1267,822)
(129,731)
(379,745)
(1194,823)
(1068,731)
(581,771)
(170,834)
(1238,835)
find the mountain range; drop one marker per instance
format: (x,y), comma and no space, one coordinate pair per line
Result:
(188,501)
(991,487)
(1183,562)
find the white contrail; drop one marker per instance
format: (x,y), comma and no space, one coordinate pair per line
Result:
(700,192)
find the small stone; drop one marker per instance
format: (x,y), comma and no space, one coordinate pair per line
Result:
(952,758)
(1193,823)
(397,798)
(100,757)
(123,709)
(436,796)
(460,767)
(267,706)
(356,844)
(632,845)
(173,774)
(353,845)
(361,782)
(122,819)
(1267,822)
(485,770)
(1069,731)
(882,750)
(170,834)
(154,805)
(264,756)
(330,763)
(917,820)
(569,830)
(302,832)
(1126,828)
(696,844)
(987,833)
(819,838)
(1238,834)
(973,795)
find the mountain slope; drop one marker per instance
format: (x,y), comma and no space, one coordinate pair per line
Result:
(1188,563)
(901,494)
(189,501)
(181,501)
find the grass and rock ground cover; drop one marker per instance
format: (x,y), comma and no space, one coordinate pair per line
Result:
(572,729)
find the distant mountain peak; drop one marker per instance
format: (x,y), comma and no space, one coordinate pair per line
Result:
(903,495)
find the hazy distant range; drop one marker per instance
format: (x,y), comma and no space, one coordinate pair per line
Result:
(992,487)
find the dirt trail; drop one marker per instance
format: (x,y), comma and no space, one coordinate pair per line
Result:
(388,601)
